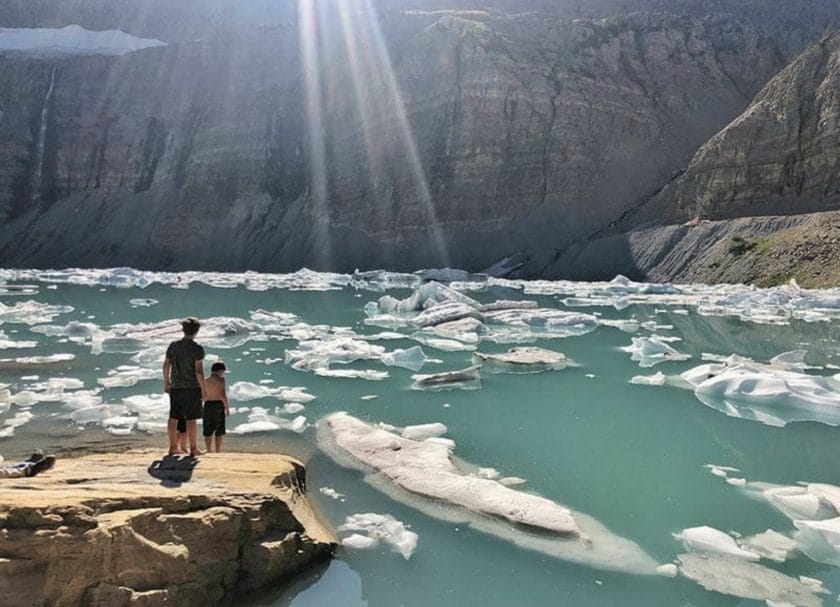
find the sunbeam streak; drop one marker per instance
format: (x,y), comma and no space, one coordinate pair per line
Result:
(379,101)
(308,40)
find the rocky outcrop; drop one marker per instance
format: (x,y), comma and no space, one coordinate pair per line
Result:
(761,250)
(100,530)
(778,157)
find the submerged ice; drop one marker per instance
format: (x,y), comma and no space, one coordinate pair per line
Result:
(424,473)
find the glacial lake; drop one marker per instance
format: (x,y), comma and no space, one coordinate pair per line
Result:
(623,434)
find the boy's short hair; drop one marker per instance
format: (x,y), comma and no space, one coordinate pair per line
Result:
(218,366)
(190,325)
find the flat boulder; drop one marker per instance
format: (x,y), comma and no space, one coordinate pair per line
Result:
(133,528)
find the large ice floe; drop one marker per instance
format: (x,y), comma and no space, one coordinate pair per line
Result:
(424,474)
(774,393)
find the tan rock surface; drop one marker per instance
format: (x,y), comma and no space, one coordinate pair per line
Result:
(102,530)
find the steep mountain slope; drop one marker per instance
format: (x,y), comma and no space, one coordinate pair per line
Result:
(759,202)
(778,157)
(529,133)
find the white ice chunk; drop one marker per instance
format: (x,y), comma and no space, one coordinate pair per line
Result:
(771,545)
(330,492)
(710,540)
(424,431)
(525,359)
(650,351)
(359,542)
(380,527)
(414,358)
(657,379)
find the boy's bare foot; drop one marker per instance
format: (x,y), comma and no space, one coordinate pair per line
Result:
(178,452)
(196,452)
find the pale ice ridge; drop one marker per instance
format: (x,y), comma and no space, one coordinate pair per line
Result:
(71,40)
(775,393)
(424,475)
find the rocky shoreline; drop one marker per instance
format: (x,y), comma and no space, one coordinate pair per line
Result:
(137,529)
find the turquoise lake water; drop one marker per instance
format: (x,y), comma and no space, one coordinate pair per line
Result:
(631,456)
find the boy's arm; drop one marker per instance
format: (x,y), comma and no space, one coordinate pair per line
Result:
(225,398)
(199,375)
(167,381)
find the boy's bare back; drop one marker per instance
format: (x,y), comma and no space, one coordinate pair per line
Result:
(215,388)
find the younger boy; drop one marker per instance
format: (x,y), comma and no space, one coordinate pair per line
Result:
(216,407)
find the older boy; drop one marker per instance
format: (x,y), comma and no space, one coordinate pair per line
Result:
(216,407)
(183,380)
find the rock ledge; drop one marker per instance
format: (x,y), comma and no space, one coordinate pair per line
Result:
(132,529)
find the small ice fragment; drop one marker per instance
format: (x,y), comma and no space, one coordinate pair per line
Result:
(368,397)
(658,379)
(737,482)
(669,570)
(721,471)
(330,492)
(382,527)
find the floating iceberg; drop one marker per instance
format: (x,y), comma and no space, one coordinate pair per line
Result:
(424,474)
(657,379)
(414,358)
(740,578)
(379,527)
(767,393)
(712,541)
(650,351)
(260,420)
(525,359)
(465,379)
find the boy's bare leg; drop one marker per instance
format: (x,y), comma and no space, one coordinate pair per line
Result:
(182,441)
(192,436)
(207,442)
(172,431)
(218,443)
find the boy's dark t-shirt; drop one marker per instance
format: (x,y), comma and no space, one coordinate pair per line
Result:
(183,354)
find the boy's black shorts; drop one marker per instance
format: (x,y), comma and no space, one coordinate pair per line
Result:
(214,418)
(185,403)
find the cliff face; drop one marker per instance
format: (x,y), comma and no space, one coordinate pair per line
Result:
(778,157)
(421,139)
